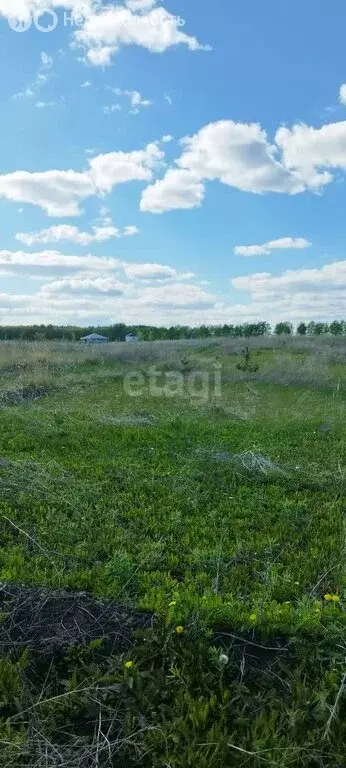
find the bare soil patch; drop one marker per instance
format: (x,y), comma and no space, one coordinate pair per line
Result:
(49,620)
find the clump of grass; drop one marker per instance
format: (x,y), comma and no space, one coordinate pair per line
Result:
(247,366)
(186,366)
(129,420)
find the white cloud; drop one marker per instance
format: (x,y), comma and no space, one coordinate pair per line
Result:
(104,29)
(44,104)
(240,155)
(86,84)
(86,286)
(130,230)
(156,30)
(307,151)
(150,272)
(101,57)
(137,102)
(88,267)
(140,5)
(56,259)
(330,277)
(283,243)
(90,297)
(44,73)
(178,189)
(237,154)
(59,193)
(99,234)
(119,167)
(167,138)
(176,295)
(46,65)
(109,109)
(342,94)
(300,294)
(153,292)
(28,93)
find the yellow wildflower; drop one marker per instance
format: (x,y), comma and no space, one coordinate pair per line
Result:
(179,630)
(332,598)
(128,664)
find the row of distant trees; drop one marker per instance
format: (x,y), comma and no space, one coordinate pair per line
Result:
(336,328)
(118,331)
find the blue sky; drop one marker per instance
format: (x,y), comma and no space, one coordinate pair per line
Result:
(172,162)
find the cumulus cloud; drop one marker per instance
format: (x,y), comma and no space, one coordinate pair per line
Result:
(155,29)
(176,295)
(307,151)
(99,234)
(178,189)
(241,155)
(330,277)
(49,259)
(140,5)
(137,101)
(154,272)
(59,193)
(300,294)
(236,154)
(119,167)
(89,266)
(100,57)
(104,28)
(86,286)
(283,243)
(342,94)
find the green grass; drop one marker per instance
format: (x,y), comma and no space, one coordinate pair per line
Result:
(221,515)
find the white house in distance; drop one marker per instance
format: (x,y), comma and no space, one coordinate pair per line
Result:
(95,338)
(131,338)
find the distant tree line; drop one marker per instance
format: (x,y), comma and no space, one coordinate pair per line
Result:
(336,328)
(118,331)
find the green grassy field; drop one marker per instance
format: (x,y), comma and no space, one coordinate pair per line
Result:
(216,503)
